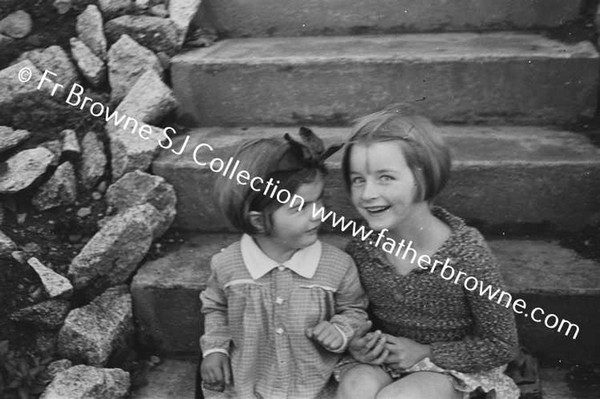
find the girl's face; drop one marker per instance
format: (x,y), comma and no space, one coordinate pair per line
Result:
(382,185)
(292,228)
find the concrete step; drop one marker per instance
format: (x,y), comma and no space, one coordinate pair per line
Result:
(174,379)
(242,18)
(167,308)
(502,176)
(453,77)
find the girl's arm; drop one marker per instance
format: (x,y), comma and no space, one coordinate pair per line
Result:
(494,339)
(350,305)
(216,336)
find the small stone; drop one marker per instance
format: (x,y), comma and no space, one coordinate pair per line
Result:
(32,249)
(88,382)
(90,30)
(58,366)
(74,238)
(11,89)
(127,61)
(182,12)
(62,6)
(93,332)
(23,169)
(84,212)
(142,5)
(159,10)
(45,315)
(93,160)
(7,246)
(113,8)
(70,144)
(114,253)
(96,196)
(5,40)
(91,67)
(21,217)
(56,60)
(16,25)
(19,256)
(59,190)
(55,147)
(155,33)
(10,138)
(55,284)
(101,187)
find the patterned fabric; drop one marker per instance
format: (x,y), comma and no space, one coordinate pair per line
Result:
(468,333)
(262,322)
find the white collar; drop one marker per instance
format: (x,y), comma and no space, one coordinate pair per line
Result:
(304,261)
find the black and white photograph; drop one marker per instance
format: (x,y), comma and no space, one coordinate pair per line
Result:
(299,199)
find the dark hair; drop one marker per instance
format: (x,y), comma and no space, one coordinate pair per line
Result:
(426,154)
(264,158)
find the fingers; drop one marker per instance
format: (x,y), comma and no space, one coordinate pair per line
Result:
(373,339)
(213,375)
(363,329)
(226,369)
(382,358)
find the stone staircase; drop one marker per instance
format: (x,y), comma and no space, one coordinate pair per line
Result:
(503,94)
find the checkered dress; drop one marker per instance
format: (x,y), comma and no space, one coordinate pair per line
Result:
(262,323)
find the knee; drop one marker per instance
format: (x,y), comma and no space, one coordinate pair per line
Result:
(360,382)
(396,392)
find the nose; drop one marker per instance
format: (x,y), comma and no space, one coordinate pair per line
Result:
(369,191)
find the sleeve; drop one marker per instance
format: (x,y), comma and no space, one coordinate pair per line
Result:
(494,339)
(351,304)
(216,336)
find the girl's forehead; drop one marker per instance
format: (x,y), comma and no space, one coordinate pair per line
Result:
(376,156)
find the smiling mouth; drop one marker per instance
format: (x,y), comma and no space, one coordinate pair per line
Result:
(376,210)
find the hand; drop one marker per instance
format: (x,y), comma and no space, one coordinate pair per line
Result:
(216,370)
(327,335)
(405,353)
(368,347)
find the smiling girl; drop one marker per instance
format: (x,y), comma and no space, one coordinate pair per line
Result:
(280,306)
(433,339)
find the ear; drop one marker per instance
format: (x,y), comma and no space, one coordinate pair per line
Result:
(257,220)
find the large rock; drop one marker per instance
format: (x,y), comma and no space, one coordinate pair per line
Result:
(22,169)
(55,147)
(56,286)
(58,366)
(182,12)
(130,152)
(45,315)
(11,88)
(90,30)
(158,34)
(93,160)
(137,188)
(149,100)
(16,25)
(6,244)
(10,138)
(85,382)
(114,8)
(127,61)
(91,66)
(54,59)
(93,332)
(59,190)
(113,254)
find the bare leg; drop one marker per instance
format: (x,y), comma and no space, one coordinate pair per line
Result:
(362,382)
(421,385)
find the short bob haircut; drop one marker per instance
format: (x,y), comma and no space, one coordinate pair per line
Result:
(257,157)
(425,152)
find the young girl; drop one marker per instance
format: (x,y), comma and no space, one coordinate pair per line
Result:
(280,306)
(434,338)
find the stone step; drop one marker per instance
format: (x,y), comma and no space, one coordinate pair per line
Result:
(167,308)
(501,77)
(502,176)
(242,18)
(175,379)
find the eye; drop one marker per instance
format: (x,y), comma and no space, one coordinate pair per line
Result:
(386,178)
(357,180)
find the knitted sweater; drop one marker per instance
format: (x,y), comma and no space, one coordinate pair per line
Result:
(467,332)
